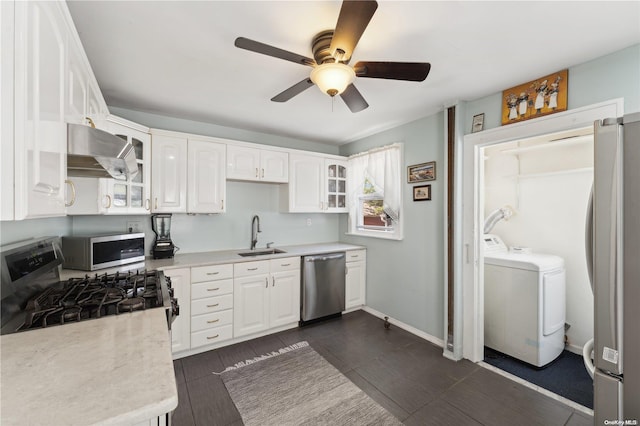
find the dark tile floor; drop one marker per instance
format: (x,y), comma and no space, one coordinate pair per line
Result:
(403,373)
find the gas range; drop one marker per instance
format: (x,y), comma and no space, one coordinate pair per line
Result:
(33,297)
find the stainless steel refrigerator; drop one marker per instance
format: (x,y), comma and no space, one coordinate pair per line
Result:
(616,270)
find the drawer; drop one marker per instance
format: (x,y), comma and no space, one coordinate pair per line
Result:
(211,272)
(211,336)
(284,264)
(356,255)
(211,304)
(211,288)
(215,319)
(250,268)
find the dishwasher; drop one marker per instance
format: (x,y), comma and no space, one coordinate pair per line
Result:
(323,286)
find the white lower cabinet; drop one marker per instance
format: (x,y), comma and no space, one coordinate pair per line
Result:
(211,304)
(266,295)
(180,329)
(355,284)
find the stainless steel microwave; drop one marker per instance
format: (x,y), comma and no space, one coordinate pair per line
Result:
(92,252)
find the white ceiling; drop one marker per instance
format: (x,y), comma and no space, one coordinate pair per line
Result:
(177,58)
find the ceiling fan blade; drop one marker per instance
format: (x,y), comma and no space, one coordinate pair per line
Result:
(292,91)
(354,100)
(411,71)
(265,49)
(352,21)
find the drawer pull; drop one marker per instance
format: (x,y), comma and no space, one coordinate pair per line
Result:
(354,255)
(285,264)
(213,273)
(213,321)
(213,306)
(212,337)
(252,269)
(213,289)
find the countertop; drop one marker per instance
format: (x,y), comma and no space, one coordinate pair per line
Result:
(188,260)
(113,370)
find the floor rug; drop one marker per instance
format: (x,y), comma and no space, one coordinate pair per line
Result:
(297,386)
(565,376)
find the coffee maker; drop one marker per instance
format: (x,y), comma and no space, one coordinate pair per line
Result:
(163,247)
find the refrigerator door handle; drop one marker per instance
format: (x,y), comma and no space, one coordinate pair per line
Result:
(588,237)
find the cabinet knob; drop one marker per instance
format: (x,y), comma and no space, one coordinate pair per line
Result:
(257,173)
(213,306)
(213,273)
(213,321)
(213,289)
(212,337)
(108,206)
(147,204)
(156,203)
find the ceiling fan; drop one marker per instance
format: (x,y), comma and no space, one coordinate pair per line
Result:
(332,50)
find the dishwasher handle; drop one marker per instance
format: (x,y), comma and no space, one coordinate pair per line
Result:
(324,257)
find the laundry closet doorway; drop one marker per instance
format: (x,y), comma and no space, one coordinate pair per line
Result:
(472,206)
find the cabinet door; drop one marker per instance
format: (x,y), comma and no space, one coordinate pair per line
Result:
(132,196)
(76,93)
(284,298)
(40,128)
(181,327)
(169,174)
(274,166)
(336,186)
(92,196)
(355,284)
(243,163)
(250,304)
(306,184)
(206,180)
(7,26)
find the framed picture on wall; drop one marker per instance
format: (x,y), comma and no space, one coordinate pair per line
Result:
(543,96)
(478,123)
(422,193)
(421,172)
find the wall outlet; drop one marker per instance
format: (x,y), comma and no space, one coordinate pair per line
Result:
(309,222)
(133,227)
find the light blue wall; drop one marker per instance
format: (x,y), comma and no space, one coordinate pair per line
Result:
(13,231)
(405,278)
(612,76)
(231,230)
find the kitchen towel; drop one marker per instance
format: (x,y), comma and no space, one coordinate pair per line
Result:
(297,386)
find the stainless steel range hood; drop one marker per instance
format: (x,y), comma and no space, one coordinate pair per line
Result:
(95,153)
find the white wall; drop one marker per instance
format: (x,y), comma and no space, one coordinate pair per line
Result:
(549,189)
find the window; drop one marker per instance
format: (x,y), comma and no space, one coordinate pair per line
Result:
(376,199)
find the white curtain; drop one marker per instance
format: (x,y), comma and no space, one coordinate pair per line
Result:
(382,167)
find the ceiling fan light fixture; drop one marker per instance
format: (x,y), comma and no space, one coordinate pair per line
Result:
(333,78)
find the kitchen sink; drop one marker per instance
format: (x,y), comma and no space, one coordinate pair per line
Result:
(261,252)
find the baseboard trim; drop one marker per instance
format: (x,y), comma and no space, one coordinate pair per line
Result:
(575,349)
(405,327)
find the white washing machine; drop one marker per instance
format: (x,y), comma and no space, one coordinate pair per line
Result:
(524,302)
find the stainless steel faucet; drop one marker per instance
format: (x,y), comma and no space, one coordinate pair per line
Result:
(254,231)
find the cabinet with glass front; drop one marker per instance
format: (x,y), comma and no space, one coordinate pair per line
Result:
(336,185)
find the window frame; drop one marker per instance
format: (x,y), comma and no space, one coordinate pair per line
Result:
(356,226)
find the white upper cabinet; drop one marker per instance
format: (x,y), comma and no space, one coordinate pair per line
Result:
(335,194)
(188,174)
(46,82)
(206,177)
(306,183)
(246,163)
(169,174)
(316,184)
(41,50)
(132,196)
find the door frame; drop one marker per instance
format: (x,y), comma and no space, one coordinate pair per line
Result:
(471,174)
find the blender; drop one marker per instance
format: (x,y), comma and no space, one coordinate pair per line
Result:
(163,247)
